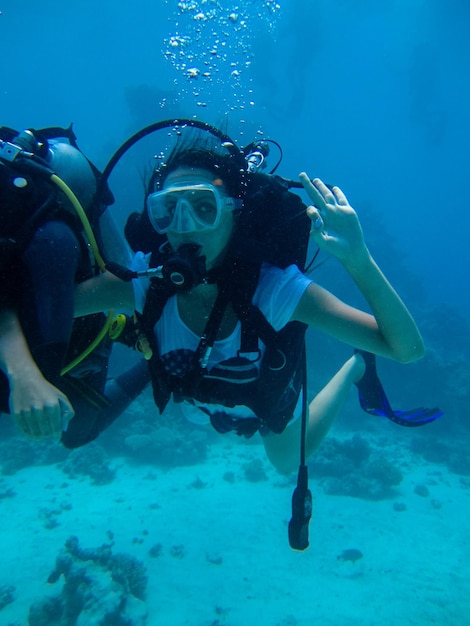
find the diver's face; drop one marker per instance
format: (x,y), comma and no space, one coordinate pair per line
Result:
(213,242)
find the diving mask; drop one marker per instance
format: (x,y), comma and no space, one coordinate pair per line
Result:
(188,208)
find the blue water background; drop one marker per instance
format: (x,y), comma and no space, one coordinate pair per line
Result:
(372,96)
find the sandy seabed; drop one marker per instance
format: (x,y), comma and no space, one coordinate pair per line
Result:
(224,556)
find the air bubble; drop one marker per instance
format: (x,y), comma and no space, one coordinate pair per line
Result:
(193,72)
(218,36)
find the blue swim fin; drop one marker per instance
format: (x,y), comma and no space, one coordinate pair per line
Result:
(373,400)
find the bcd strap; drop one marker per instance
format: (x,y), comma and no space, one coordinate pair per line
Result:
(157,296)
(209,335)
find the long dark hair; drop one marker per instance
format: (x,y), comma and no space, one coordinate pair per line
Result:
(197,149)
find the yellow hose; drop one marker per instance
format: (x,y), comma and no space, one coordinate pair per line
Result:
(101,335)
(83,218)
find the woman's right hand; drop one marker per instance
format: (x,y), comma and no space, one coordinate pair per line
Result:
(335,225)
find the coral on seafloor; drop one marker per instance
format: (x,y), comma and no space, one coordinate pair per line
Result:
(6,491)
(448,451)
(19,452)
(99,588)
(146,437)
(254,471)
(165,447)
(7,595)
(91,461)
(354,468)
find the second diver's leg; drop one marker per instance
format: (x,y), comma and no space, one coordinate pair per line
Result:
(283,449)
(46,306)
(89,422)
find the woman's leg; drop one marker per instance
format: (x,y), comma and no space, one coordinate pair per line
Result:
(283,449)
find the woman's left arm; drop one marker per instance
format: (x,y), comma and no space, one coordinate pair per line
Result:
(103,293)
(390,331)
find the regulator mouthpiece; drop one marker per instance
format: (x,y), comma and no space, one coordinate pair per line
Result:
(186,268)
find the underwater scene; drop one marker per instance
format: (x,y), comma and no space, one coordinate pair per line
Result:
(163,521)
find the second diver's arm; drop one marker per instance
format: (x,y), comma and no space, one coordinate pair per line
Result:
(35,404)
